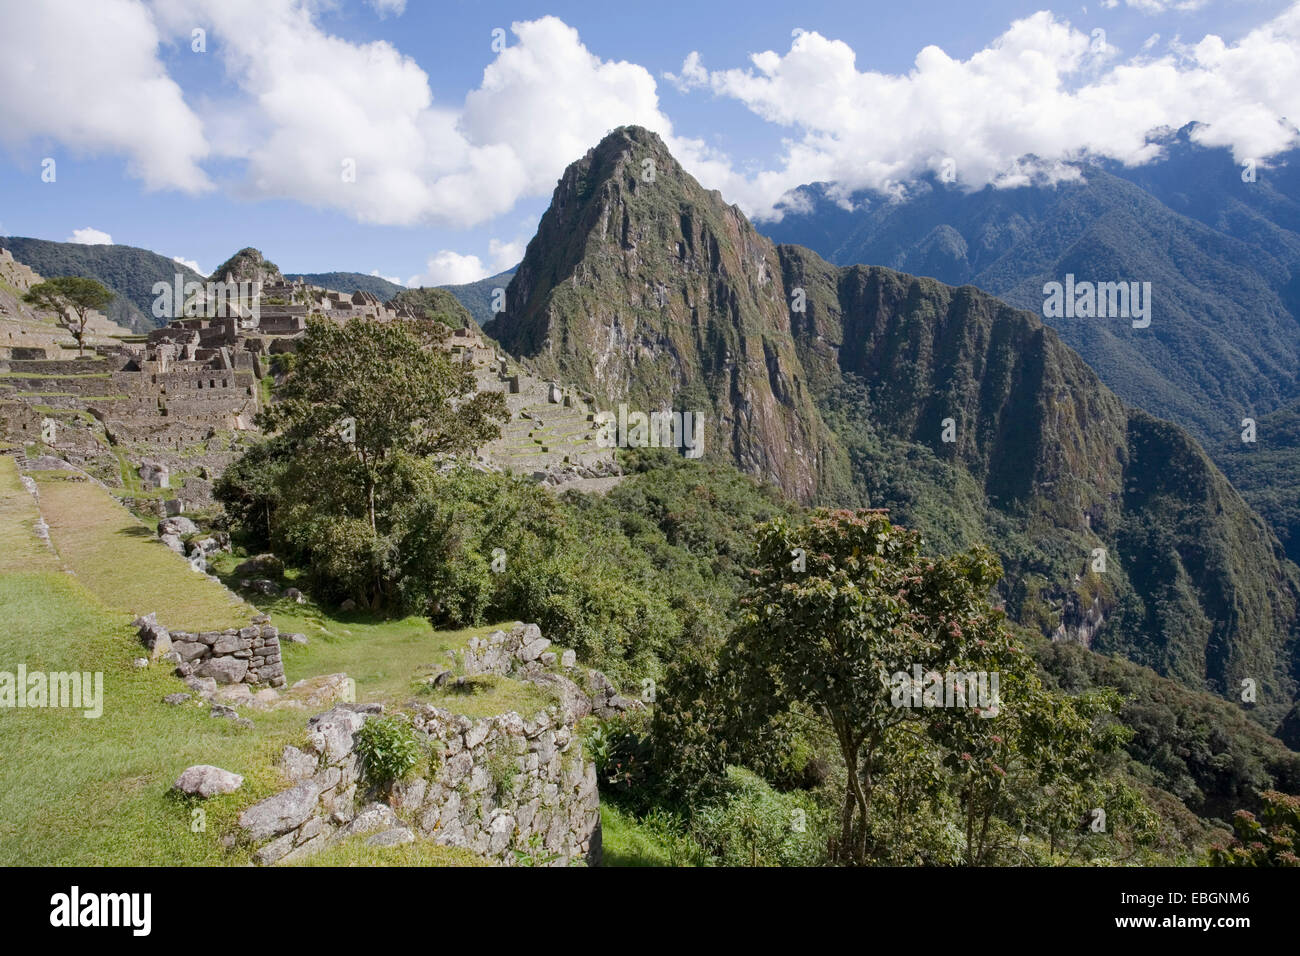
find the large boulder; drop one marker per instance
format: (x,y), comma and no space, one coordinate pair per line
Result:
(177,525)
(205,780)
(260,566)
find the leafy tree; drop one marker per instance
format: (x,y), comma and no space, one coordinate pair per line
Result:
(70,294)
(364,406)
(838,605)
(1268,842)
(361,393)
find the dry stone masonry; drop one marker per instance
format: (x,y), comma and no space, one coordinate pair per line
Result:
(499,786)
(247,655)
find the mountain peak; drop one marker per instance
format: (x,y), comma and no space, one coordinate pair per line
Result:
(653,292)
(246,265)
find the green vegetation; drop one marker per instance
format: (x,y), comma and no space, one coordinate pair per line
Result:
(123,563)
(437,305)
(128,272)
(73,294)
(1270,841)
(389,748)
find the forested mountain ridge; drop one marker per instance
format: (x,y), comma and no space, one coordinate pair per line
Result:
(965,416)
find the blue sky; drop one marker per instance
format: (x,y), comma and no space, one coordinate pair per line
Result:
(196,154)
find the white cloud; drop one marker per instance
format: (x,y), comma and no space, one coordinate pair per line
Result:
(1042,89)
(388,7)
(311,106)
(87,76)
(191,263)
(1154,7)
(90,237)
(393,279)
(450,268)
(1151,41)
(453,268)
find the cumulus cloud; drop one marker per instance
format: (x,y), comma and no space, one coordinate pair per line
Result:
(191,264)
(450,268)
(1042,89)
(90,237)
(87,76)
(453,268)
(354,126)
(393,279)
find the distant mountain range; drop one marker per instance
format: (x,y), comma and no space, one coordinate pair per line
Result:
(1222,255)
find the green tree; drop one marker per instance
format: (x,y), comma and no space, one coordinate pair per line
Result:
(361,393)
(70,294)
(839,605)
(1267,842)
(365,409)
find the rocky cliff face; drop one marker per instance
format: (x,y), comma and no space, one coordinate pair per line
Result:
(651,291)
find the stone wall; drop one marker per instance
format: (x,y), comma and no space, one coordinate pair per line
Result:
(493,786)
(497,786)
(248,655)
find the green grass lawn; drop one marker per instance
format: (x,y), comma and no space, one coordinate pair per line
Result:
(122,562)
(91,791)
(627,841)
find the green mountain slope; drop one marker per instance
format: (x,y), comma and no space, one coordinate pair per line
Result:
(1267,472)
(125,270)
(650,291)
(477,296)
(842,385)
(1222,342)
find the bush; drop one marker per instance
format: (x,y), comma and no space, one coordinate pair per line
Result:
(389,749)
(758,826)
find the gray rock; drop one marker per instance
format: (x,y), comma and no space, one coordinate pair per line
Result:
(174,542)
(393,837)
(223,670)
(283,812)
(297,766)
(330,734)
(189,650)
(375,816)
(176,699)
(568,659)
(348,605)
(202,686)
(205,780)
(294,595)
(177,525)
(533,649)
(140,663)
(294,638)
(275,850)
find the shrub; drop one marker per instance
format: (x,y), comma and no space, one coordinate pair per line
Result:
(389,749)
(758,826)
